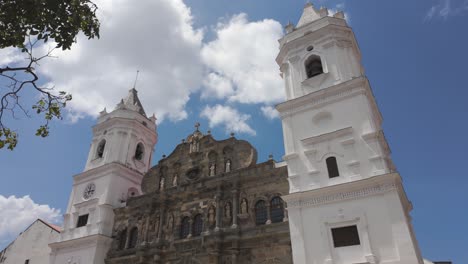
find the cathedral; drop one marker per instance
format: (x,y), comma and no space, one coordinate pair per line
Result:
(335,198)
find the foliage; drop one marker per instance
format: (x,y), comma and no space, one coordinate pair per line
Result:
(24,24)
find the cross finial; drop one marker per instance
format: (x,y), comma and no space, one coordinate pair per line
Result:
(136,79)
(197,125)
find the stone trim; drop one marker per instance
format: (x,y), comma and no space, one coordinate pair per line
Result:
(356,86)
(362,188)
(328,136)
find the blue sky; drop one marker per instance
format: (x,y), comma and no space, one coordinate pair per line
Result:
(414,53)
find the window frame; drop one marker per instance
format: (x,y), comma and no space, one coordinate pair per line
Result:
(332,167)
(80,222)
(99,154)
(261,213)
(139,156)
(340,240)
(276,209)
(307,64)
(197,226)
(122,239)
(184,227)
(133,237)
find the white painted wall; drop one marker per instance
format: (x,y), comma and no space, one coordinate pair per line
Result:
(113,175)
(334,114)
(32,244)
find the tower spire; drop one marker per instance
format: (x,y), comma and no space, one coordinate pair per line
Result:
(136,79)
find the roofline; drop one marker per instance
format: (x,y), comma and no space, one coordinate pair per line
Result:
(53,227)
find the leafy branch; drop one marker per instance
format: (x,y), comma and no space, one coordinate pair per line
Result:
(40,20)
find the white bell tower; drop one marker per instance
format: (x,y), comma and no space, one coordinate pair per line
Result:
(346,203)
(121,150)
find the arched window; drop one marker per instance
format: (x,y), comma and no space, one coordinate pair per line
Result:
(260,213)
(132,240)
(313,66)
(185,227)
(100,149)
(332,167)
(139,151)
(197,225)
(122,239)
(277,210)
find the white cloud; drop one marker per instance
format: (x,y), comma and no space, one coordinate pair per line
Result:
(243,53)
(155,37)
(228,117)
(10,55)
(18,213)
(446,8)
(339,7)
(269,112)
(217,86)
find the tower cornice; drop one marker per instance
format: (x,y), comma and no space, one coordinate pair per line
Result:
(330,95)
(375,185)
(107,169)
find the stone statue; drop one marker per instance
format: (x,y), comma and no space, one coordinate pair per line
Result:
(228,165)
(156,226)
(211,216)
(170,222)
(175,179)
(161,183)
(243,206)
(212,169)
(227,211)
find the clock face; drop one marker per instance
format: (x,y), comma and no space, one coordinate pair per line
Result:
(89,191)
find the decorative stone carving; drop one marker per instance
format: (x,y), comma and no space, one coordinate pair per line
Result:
(228,166)
(212,169)
(227,211)
(211,216)
(244,206)
(161,183)
(175,180)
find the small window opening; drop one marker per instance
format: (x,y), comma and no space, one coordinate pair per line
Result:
(313,66)
(139,152)
(185,227)
(310,48)
(260,213)
(82,220)
(197,225)
(132,242)
(345,236)
(26,261)
(100,148)
(332,167)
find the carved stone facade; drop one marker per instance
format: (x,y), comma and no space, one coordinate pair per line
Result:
(207,202)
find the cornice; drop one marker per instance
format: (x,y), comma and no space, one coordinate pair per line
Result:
(104,170)
(125,123)
(291,40)
(325,96)
(347,191)
(328,136)
(86,241)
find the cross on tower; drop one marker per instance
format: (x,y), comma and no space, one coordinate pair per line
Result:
(197,125)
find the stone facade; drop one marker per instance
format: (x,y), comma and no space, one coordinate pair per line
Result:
(203,204)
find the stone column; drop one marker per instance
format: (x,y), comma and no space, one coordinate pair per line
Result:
(190,228)
(145,238)
(235,207)
(268,207)
(218,210)
(162,222)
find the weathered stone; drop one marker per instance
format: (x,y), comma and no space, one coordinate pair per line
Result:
(221,181)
